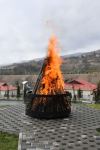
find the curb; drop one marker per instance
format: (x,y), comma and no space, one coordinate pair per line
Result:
(19,141)
(14,100)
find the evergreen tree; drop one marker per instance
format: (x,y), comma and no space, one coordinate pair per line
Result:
(79,93)
(12,95)
(97,94)
(8,94)
(18,89)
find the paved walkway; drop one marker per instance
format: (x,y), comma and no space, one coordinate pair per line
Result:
(11,116)
(78,132)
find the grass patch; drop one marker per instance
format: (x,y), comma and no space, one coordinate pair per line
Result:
(98,131)
(8,141)
(3,106)
(96,106)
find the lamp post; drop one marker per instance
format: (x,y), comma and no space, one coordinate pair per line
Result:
(24,88)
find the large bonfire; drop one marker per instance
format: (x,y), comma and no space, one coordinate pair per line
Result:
(52,79)
(48,99)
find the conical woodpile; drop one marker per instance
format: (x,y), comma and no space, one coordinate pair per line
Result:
(48,99)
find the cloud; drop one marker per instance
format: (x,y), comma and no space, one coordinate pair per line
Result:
(25,27)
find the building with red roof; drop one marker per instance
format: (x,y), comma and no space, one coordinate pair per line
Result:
(4,88)
(86,88)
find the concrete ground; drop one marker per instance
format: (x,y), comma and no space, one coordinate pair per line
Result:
(78,132)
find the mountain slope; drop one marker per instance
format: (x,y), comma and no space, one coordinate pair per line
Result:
(76,63)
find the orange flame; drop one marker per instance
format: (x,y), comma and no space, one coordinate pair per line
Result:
(52,80)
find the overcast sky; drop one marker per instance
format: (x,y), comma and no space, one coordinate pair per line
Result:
(26,26)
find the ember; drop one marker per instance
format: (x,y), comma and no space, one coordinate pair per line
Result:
(48,99)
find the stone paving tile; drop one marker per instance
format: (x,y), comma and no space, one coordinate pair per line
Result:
(11,118)
(78,132)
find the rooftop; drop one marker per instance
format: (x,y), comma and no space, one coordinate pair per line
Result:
(79,84)
(4,87)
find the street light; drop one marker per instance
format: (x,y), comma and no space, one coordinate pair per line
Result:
(24,89)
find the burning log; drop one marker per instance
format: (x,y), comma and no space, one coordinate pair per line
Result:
(48,106)
(48,99)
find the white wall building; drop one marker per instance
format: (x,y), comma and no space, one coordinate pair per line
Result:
(86,88)
(4,88)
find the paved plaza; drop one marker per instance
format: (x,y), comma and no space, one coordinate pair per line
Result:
(78,132)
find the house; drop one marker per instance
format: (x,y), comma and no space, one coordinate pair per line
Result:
(86,88)
(5,88)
